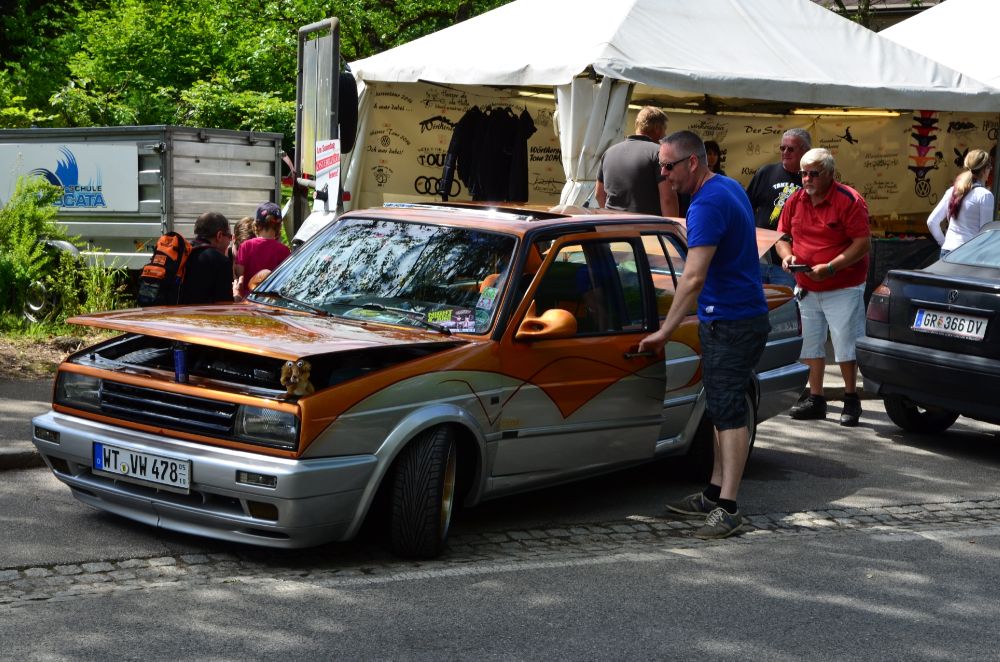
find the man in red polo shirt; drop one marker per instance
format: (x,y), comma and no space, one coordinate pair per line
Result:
(828,226)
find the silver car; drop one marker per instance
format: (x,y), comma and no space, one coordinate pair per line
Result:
(422,355)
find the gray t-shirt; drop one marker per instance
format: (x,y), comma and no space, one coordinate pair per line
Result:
(631,175)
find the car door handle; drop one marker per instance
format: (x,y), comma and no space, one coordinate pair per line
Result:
(635,355)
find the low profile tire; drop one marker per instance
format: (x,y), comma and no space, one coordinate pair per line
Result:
(423,495)
(701,456)
(915,418)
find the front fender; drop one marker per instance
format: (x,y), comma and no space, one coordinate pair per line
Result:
(409,427)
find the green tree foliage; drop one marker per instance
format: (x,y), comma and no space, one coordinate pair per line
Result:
(216,103)
(372,26)
(136,59)
(863,12)
(38,38)
(13,112)
(213,63)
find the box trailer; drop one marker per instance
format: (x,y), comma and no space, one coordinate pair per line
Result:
(125,186)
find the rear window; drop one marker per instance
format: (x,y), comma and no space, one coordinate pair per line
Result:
(983,250)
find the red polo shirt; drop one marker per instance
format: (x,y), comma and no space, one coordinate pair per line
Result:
(822,232)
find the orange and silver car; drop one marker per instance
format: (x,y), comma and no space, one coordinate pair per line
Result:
(414,356)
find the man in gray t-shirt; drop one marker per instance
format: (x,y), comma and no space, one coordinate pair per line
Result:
(629,178)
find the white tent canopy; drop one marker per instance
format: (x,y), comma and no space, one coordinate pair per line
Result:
(783,50)
(960,34)
(599,55)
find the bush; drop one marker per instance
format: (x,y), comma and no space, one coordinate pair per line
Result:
(27,216)
(81,290)
(30,269)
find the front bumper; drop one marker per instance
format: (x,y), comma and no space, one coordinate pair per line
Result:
(959,383)
(317,500)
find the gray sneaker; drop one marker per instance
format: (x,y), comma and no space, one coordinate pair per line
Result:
(692,504)
(719,524)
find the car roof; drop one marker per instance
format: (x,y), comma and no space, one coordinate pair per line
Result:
(522,219)
(513,219)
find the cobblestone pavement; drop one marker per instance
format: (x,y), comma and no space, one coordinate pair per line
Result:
(357,564)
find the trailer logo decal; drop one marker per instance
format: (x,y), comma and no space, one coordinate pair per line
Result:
(67,177)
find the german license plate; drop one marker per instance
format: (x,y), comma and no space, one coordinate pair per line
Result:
(950,324)
(134,466)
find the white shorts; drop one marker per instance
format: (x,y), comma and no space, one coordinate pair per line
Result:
(842,313)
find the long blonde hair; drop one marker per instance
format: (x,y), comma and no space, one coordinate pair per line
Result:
(975,162)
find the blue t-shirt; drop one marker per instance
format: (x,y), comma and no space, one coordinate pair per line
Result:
(720,215)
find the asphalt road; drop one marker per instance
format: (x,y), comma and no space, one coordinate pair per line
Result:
(846,597)
(19,401)
(897,559)
(795,467)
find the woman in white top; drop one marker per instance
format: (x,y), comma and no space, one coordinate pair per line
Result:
(967,205)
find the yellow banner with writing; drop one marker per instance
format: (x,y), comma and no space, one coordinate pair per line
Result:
(901,164)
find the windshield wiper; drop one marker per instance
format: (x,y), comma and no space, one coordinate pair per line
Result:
(412,314)
(277,294)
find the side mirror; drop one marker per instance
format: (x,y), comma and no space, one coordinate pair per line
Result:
(553,324)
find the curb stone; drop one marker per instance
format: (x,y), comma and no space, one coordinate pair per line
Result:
(472,553)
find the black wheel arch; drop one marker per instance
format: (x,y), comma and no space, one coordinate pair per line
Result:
(470,469)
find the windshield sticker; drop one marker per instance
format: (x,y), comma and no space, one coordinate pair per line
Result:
(439,317)
(464,321)
(487,298)
(460,319)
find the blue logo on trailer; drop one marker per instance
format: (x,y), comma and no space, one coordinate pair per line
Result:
(67,177)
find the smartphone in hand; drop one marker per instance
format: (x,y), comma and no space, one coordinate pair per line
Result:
(796,268)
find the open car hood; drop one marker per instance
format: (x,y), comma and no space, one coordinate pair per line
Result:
(260,329)
(765,238)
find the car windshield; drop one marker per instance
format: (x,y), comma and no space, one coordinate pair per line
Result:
(983,250)
(395,272)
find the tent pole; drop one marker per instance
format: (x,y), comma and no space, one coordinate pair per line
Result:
(996,174)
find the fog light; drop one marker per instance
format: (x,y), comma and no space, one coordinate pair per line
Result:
(260,480)
(46,435)
(261,510)
(59,465)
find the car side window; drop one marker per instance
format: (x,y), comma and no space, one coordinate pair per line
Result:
(598,282)
(666,264)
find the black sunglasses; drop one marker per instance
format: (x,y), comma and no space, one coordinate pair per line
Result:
(811,174)
(670,166)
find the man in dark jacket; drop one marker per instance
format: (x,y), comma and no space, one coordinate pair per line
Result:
(769,188)
(208,275)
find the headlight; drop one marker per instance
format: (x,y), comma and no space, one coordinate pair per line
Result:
(80,391)
(267,426)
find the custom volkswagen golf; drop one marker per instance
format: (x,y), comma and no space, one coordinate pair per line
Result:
(414,356)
